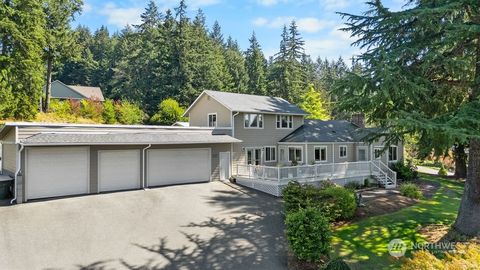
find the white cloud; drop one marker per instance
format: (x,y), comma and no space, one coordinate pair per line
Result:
(191,4)
(307,24)
(86,7)
(121,16)
(336,43)
(267,3)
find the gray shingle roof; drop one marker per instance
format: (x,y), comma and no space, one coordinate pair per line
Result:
(90,92)
(164,137)
(327,131)
(254,103)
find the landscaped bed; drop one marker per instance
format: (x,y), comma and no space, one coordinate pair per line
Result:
(363,244)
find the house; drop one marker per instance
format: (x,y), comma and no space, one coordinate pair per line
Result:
(62,91)
(256,139)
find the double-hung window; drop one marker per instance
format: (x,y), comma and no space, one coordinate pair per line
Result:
(284,121)
(295,153)
(320,153)
(212,120)
(253,120)
(343,151)
(270,153)
(393,153)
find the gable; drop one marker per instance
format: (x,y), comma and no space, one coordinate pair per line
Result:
(59,90)
(204,105)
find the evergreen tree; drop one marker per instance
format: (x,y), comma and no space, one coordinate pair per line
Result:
(216,34)
(313,103)
(418,63)
(151,17)
(255,65)
(235,63)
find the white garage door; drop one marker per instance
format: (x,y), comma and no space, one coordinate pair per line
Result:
(57,171)
(177,166)
(118,169)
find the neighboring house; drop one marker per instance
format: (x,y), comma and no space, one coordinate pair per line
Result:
(254,138)
(62,91)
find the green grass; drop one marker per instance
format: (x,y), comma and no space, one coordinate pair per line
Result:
(364,244)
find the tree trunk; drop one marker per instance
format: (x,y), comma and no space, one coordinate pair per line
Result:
(460,161)
(468,219)
(48,84)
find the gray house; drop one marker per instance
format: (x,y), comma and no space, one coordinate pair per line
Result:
(61,91)
(256,139)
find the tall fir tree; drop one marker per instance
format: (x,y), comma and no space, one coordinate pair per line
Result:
(255,65)
(235,63)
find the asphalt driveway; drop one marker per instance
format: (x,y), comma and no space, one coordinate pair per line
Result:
(199,226)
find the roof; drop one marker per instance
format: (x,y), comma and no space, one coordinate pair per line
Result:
(327,131)
(157,137)
(252,103)
(181,124)
(89,92)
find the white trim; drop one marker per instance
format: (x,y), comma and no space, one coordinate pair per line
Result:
(260,114)
(364,147)
(43,124)
(296,147)
(310,143)
(326,153)
(396,153)
(265,156)
(254,148)
(208,119)
(340,151)
(288,122)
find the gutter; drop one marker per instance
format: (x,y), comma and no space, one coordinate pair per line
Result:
(143,165)
(19,158)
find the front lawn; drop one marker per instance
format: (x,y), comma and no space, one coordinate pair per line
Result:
(363,244)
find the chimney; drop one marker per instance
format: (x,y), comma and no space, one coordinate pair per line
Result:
(358,119)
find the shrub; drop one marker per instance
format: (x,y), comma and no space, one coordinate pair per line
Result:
(326,183)
(337,264)
(108,114)
(309,234)
(91,109)
(61,108)
(411,190)
(466,256)
(366,182)
(353,185)
(443,171)
(297,196)
(407,172)
(337,203)
(169,112)
(129,113)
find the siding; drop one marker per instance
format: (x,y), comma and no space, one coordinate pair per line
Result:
(62,92)
(9,153)
(269,135)
(198,115)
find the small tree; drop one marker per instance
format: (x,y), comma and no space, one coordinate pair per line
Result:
(129,113)
(169,112)
(91,109)
(108,113)
(313,103)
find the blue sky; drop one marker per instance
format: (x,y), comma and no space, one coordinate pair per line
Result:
(317,20)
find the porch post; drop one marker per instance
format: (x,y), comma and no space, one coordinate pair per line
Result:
(333,160)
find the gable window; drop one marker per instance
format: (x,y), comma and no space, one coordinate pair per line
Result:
(343,151)
(270,153)
(320,153)
(378,152)
(284,121)
(212,120)
(253,120)
(295,153)
(392,153)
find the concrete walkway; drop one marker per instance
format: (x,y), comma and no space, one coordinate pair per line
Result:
(199,226)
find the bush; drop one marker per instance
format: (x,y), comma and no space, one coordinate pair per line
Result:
(326,183)
(91,109)
(337,264)
(337,203)
(108,114)
(61,108)
(366,182)
(129,113)
(443,171)
(466,256)
(407,172)
(297,196)
(169,112)
(309,234)
(411,190)
(353,185)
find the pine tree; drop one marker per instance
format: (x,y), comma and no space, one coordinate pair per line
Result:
(216,34)
(422,75)
(235,63)
(255,65)
(151,17)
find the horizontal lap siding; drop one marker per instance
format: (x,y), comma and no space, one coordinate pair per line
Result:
(9,153)
(198,115)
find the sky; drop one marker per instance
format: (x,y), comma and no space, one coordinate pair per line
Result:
(317,20)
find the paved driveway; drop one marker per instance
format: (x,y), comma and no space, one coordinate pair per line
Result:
(200,226)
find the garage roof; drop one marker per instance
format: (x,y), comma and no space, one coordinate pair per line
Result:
(164,137)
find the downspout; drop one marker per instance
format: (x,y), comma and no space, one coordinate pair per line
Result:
(143,165)
(19,162)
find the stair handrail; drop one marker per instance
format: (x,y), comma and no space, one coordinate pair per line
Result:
(391,174)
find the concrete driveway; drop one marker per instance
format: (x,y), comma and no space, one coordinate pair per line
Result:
(198,226)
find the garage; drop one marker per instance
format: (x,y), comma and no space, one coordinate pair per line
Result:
(178,166)
(118,170)
(56,171)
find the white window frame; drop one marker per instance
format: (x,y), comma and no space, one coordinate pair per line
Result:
(340,151)
(301,153)
(208,119)
(269,148)
(278,123)
(319,148)
(366,152)
(375,150)
(253,149)
(258,122)
(396,153)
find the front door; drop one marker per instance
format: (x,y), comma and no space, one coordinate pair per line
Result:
(224,165)
(254,156)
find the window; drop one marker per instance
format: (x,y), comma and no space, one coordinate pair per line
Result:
(254,156)
(378,152)
(392,153)
(284,121)
(212,120)
(320,153)
(270,153)
(295,153)
(362,154)
(253,120)
(343,151)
